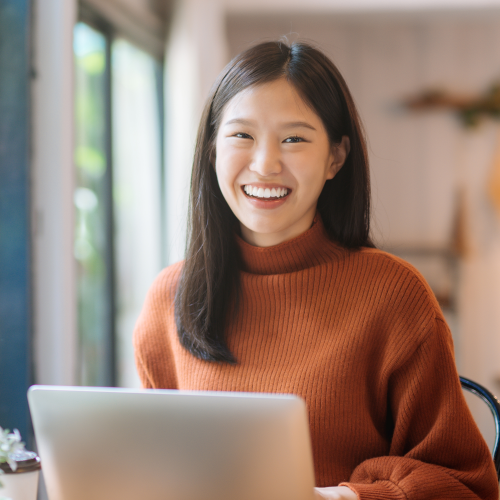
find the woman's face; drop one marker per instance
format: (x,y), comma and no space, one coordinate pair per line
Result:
(273,157)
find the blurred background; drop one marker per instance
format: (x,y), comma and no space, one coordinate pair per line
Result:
(99,105)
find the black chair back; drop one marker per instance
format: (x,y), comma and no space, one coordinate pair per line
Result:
(494,405)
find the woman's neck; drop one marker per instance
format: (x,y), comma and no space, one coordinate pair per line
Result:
(275,233)
(309,249)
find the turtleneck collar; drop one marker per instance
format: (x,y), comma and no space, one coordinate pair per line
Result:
(309,249)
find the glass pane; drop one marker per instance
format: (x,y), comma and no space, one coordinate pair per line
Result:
(91,199)
(136,191)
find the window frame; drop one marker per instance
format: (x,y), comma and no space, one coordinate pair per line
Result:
(87,15)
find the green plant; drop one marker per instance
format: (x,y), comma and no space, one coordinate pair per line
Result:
(10,444)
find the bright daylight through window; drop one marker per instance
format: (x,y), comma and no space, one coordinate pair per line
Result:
(117,198)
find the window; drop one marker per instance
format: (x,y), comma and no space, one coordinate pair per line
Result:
(137,181)
(118,202)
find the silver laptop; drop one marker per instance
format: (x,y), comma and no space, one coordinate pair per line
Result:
(107,444)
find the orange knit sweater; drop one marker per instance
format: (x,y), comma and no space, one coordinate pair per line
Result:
(358,335)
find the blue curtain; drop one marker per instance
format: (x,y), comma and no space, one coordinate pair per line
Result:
(15,253)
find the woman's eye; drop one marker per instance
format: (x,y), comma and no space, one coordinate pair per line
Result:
(294,139)
(242,135)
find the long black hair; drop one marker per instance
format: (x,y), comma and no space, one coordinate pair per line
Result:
(208,289)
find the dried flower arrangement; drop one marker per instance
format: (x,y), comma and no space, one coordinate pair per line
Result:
(470,109)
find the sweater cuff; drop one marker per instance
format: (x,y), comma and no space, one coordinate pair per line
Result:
(379,490)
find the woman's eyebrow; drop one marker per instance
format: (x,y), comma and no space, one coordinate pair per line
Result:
(298,124)
(242,121)
(239,121)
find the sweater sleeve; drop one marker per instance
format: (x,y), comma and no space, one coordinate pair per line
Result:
(436,450)
(154,331)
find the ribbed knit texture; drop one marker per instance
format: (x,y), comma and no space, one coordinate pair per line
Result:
(358,335)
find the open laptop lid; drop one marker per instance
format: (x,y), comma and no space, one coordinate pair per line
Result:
(126,444)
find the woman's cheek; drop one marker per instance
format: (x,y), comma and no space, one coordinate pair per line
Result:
(236,163)
(309,172)
(226,176)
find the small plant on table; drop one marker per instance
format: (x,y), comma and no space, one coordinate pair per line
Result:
(10,444)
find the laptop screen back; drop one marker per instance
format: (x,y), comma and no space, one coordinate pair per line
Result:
(124,444)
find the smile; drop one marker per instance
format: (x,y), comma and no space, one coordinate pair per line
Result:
(265,193)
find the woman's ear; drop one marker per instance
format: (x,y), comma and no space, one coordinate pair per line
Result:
(340,152)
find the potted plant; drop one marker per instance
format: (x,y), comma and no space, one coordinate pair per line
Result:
(19,469)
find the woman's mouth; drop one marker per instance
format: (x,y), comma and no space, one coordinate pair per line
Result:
(266,193)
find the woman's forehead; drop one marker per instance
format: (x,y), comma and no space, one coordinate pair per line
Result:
(266,100)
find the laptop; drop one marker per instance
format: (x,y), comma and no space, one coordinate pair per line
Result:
(123,444)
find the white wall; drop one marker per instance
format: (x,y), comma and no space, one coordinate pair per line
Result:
(196,53)
(52,189)
(54,273)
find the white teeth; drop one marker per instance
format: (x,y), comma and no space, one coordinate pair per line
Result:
(265,192)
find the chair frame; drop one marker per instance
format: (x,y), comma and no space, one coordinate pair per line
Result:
(494,405)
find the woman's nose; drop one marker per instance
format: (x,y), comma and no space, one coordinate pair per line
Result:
(266,160)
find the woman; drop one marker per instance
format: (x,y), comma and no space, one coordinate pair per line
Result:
(282,290)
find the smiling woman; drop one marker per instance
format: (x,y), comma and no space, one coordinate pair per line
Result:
(272,93)
(282,291)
